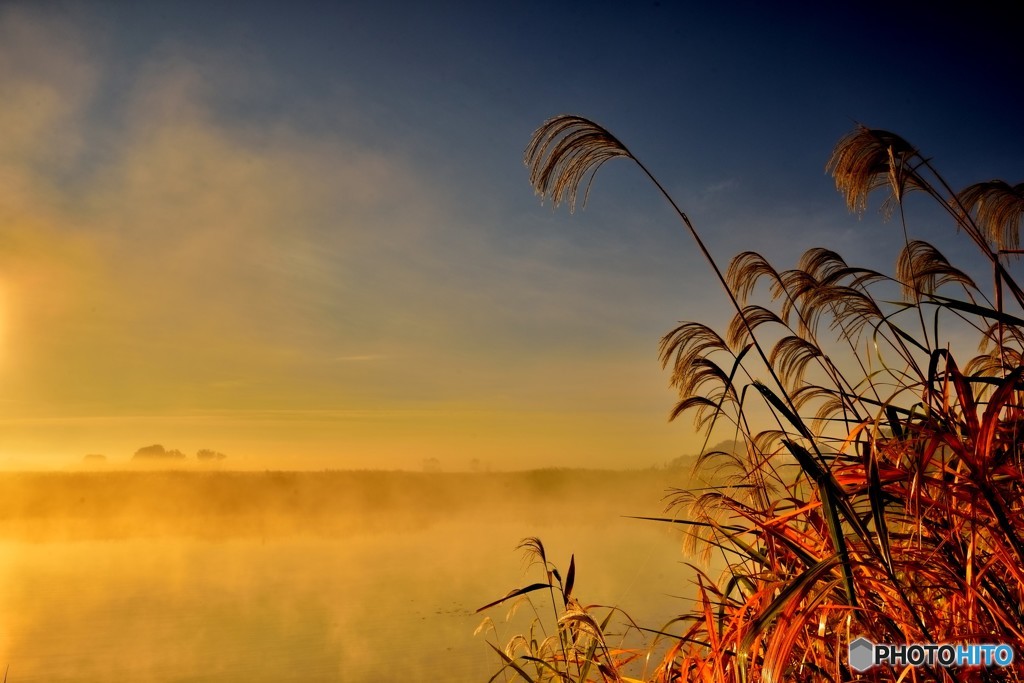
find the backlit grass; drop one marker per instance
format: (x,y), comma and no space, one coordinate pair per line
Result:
(880,493)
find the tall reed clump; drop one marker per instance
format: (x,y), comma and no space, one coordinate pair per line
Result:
(880,493)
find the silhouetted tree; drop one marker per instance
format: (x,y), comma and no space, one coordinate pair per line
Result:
(157,452)
(206,454)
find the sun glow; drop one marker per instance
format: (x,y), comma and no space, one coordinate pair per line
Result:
(3,323)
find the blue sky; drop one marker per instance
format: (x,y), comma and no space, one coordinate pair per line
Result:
(302,234)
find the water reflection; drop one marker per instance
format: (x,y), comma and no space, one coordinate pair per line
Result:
(365,605)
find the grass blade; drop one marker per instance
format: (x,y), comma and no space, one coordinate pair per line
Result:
(515,593)
(511,664)
(570,579)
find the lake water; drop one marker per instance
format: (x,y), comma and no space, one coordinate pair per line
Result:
(391,604)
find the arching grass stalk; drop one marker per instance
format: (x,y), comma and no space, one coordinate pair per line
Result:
(564,155)
(884,503)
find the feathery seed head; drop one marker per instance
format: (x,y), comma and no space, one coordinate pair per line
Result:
(997,208)
(867,159)
(565,153)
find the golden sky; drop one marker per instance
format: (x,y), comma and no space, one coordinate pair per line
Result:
(305,237)
(174,275)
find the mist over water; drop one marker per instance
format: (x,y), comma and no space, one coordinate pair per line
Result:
(307,577)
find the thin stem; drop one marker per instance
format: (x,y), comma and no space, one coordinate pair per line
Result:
(728,290)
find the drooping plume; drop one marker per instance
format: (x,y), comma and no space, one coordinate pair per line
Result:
(565,153)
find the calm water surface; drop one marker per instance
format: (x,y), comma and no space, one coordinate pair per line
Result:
(391,605)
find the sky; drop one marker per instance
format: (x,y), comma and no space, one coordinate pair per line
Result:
(302,234)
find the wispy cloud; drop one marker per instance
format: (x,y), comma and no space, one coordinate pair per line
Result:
(157,240)
(720,186)
(193,243)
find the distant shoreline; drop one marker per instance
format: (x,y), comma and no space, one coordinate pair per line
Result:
(230,503)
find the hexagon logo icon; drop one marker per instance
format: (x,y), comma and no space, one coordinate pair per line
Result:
(862,653)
